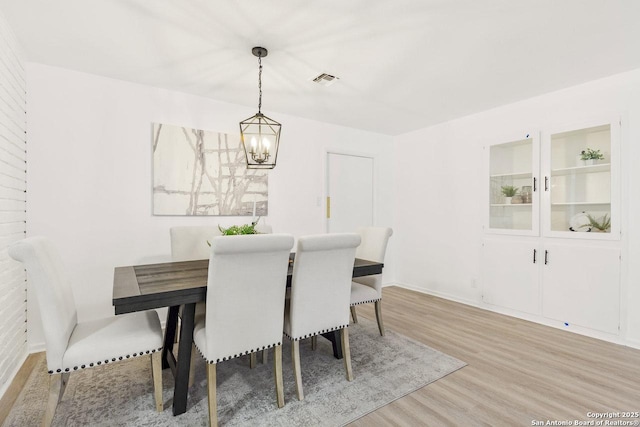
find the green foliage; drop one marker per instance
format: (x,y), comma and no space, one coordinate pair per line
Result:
(590,154)
(602,225)
(509,190)
(236,230)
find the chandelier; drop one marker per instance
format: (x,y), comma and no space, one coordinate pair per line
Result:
(259,134)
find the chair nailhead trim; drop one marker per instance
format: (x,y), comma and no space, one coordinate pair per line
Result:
(99,362)
(366,302)
(312,334)
(235,355)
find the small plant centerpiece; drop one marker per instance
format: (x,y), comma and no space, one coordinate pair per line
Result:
(590,156)
(509,191)
(237,230)
(603,225)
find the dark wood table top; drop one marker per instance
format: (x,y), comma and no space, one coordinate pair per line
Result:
(145,287)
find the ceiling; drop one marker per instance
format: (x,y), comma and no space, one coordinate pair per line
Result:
(402,64)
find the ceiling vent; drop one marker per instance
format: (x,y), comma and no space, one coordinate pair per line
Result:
(325,79)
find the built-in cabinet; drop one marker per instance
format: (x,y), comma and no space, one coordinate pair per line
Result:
(551,245)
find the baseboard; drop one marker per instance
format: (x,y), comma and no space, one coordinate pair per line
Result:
(603,336)
(38,347)
(7,385)
(438,294)
(634,344)
(11,392)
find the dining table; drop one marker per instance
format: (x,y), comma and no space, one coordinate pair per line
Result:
(179,286)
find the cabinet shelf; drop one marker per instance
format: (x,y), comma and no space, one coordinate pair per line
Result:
(503,205)
(514,175)
(577,170)
(580,203)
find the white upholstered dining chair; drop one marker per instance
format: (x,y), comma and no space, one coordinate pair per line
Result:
(189,243)
(245,304)
(367,289)
(72,346)
(319,298)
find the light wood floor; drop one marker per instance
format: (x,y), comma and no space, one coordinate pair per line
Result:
(11,394)
(517,371)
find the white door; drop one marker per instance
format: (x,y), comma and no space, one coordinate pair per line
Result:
(349,192)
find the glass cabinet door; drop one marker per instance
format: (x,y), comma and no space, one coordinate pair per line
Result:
(512,187)
(578,184)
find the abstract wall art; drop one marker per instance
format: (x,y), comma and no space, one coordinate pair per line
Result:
(199,172)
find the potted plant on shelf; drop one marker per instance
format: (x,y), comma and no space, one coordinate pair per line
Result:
(509,191)
(602,225)
(590,156)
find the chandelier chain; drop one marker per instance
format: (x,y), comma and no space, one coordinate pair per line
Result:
(259,83)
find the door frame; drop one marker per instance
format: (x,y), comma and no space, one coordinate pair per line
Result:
(374,180)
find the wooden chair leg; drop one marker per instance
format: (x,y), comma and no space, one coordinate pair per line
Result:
(295,357)
(57,385)
(211,393)
(314,342)
(192,367)
(354,316)
(252,360)
(265,356)
(379,317)
(156,372)
(277,370)
(64,380)
(346,352)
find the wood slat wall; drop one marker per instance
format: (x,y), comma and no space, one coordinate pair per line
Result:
(13,196)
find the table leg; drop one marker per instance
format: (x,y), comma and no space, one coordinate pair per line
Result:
(181,388)
(334,337)
(169,334)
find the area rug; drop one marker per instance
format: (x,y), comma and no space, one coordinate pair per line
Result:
(385,369)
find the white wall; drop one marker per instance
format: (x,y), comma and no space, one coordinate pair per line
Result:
(440,183)
(90,174)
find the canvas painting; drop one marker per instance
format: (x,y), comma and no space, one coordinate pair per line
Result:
(199,172)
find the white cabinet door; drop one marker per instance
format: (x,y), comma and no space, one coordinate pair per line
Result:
(581,285)
(581,183)
(511,274)
(512,196)
(349,192)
